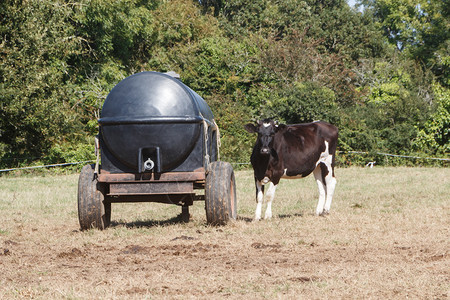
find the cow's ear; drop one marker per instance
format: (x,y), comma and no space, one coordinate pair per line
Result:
(251,128)
(280,127)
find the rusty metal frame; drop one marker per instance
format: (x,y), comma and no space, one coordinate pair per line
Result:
(171,187)
(197,175)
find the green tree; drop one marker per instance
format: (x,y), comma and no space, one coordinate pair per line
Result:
(434,136)
(36,71)
(295,60)
(397,99)
(302,103)
(121,31)
(418,27)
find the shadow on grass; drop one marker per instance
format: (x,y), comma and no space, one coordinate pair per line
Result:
(148,223)
(245,219)
(286,216)
(179,220)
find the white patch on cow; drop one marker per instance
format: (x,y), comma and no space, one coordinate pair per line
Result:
(325,156)
(270,195)
(259,200)
(322,190)
(266,124)
(327,187)
(331,186)
(265,180)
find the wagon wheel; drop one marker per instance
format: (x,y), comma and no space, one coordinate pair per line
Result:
(93,211)
(220,194)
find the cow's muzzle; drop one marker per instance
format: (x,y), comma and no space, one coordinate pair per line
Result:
(265,151)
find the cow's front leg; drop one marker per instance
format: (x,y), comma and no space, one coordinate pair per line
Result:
(259,199)
(270,195)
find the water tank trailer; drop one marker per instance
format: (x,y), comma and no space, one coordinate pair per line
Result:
(158,142)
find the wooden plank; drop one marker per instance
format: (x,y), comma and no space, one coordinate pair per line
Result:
(196,175)
(178,199)
(150,188)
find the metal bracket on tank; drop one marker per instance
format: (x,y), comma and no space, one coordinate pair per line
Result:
(207,158)
(149,159)
(97,154)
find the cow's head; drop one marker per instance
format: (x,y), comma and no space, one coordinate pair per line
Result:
(266,130)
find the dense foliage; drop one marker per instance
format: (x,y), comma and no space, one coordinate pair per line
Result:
(381,75)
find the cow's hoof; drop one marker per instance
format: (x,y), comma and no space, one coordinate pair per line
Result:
(324,213)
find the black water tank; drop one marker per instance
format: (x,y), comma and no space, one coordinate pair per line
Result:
(155,116)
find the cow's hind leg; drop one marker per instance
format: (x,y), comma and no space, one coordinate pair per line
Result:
(259,199)
(319,175)
(270,194)
(330,182)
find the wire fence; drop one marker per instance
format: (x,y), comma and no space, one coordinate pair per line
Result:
(234,163)
(377,153)
(396,155)
(49,166)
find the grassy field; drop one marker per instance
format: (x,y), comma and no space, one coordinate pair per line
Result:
(387,237)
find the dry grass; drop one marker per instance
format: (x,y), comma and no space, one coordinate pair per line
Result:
(387,237)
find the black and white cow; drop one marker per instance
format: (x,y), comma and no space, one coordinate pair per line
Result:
(293,151)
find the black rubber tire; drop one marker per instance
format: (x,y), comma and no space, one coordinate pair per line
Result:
(93,211)
(220,194)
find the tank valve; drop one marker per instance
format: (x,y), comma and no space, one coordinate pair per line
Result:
(149,164)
